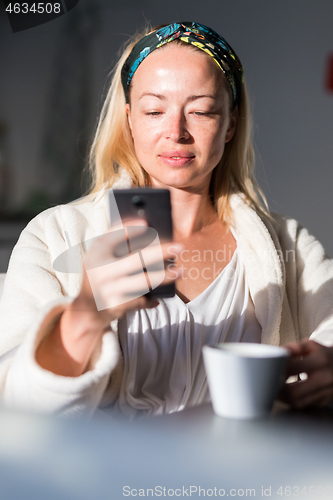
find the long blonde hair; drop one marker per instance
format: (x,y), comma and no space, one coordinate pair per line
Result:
(113,147)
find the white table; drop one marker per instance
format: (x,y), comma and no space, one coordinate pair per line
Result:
(51,459)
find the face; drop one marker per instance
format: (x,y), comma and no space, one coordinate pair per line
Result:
(179,116)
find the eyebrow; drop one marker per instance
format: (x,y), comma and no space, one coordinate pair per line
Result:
(190,98)
(195,97)
(152,94)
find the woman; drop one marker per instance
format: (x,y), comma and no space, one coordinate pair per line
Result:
(176,116)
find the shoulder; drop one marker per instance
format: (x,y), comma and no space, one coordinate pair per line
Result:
(292,234)
(278,225)
(283,224)
(301,248)
(285,231)
(84,209)
(54,217)
(73,223)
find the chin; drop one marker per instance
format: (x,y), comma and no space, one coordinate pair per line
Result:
(170,183)
(177,180)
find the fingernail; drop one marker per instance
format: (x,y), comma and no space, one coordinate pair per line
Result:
(178,247)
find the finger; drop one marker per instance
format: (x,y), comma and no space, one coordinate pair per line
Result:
(109,247)
(307,346)
(138,237)
(295,348)
(130,222)
(117,235)
(128,266)
(315,359)
(135,222)
(166,251)
(124,280)
(111,293)
(101,250)
(171,250)
(134,283)
(157,257)
(320,398)
(151,253)
(141,302)
(151,302)
(114,269)
(321,380)
(301,348)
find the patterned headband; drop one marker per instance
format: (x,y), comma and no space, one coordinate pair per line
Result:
(195,34)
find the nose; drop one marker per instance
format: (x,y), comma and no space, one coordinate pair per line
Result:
(176,127)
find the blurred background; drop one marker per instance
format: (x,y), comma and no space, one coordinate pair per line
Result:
(54,76)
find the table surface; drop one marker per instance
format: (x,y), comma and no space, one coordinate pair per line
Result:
(193,453)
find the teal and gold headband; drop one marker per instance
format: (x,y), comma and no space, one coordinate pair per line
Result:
(195,34)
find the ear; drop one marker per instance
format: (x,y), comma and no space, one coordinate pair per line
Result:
(232,125)
(128,112)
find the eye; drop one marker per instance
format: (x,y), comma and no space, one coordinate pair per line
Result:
(201,113)
(153,113)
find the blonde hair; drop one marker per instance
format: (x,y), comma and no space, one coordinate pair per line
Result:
(113,147)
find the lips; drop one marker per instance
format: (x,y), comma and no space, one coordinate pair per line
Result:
(176,158)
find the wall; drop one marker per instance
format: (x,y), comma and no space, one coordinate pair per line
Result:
(284,46)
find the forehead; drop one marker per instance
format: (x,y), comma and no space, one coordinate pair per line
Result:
(175,65)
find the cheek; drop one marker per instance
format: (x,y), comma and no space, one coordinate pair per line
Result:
(144,145)
(144,135)
(143,141)
(213,139)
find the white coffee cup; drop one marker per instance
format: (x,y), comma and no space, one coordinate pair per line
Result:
(244,378)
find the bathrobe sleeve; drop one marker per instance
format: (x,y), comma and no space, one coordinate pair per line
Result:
(309,281)
(315,289)
(34,297)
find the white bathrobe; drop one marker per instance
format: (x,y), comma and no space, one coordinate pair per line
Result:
(290,280)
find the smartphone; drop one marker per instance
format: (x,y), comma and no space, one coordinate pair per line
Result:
(154,206)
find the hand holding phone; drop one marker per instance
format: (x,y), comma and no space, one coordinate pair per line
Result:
(154,206)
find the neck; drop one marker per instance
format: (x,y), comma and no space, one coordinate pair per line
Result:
(191,212)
